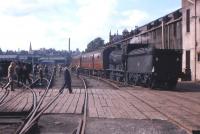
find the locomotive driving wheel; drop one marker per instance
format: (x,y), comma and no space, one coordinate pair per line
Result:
(171,84)
(153,83)
(135,80)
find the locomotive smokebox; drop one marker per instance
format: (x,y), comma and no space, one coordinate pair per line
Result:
(115,57)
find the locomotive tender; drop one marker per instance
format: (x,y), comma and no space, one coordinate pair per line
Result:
(138,64)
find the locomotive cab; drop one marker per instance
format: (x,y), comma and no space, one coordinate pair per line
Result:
(167,67)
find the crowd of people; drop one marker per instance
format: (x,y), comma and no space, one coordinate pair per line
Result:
(18,71)
(24,72)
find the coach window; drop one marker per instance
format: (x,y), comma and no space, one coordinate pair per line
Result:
(175,29)
(188,20)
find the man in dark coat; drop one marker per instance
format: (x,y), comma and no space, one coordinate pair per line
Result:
(67,81)
(46,70)
(41,74)
(18,71)
(77,71)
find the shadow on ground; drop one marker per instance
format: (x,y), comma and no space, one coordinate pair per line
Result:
(131,126)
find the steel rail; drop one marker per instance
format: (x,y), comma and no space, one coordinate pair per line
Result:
(7,93)
(82,124)
(39,113)
(35,110)
(3,97)
(188,130)
(85,108)
(3,103)
(34,101)
(81,128)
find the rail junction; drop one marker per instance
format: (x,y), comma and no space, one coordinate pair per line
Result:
(99,106)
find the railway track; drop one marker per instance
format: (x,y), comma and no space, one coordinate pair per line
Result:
(35,113)
(27,119)
(82,124)
(118,85)
(5,94)
(11,118)
(99,94)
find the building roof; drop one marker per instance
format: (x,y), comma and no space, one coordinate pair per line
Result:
(8,56)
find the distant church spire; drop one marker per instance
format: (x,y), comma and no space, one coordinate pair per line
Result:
(30,48)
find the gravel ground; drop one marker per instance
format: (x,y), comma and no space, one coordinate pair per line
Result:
(58,124)
(8,128)
(187,86)
(92,83)
(129,126)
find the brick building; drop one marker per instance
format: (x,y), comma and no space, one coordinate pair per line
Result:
(191,37)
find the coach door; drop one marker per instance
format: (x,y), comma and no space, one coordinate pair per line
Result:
(93,62)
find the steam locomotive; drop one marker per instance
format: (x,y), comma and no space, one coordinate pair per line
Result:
(138,64)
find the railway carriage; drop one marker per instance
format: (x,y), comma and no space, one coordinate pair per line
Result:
(76,62)
(87,62)
(96,62)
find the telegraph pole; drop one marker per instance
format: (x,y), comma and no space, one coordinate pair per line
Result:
(69,56)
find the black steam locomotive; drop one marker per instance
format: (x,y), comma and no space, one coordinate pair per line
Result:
(148,66)
(138,64)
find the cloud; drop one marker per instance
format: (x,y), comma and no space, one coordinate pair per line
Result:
(32,7)
(94,20)
(49,23)
(132,18)
(36,21)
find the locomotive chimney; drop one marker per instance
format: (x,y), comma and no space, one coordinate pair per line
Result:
(69,44)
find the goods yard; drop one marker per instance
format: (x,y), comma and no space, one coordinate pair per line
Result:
(104,104)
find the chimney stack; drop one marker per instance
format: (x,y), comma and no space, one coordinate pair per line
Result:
(69,44)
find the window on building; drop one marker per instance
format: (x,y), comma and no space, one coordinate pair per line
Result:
(198,56)
(175,27)
(188,20)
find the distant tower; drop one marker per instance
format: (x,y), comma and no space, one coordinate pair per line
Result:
(110,36)
(69,45)
(30,48)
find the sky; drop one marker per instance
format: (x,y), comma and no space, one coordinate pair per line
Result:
(50,23)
